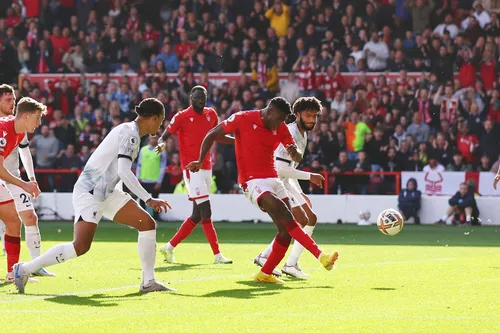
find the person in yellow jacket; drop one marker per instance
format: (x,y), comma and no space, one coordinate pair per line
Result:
(279,18)
(266,74)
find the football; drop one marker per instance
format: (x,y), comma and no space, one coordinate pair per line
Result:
(390,222)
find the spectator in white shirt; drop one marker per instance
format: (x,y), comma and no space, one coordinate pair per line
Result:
(433,165)
(482,16)
(376,53)
(449,26)
(338,102)
(290,88)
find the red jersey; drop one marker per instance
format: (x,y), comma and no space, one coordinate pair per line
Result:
(9,139)
(192,128)
(465,144)
(488,74)
(255,145)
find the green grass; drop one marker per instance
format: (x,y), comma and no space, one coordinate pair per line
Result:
(426,279)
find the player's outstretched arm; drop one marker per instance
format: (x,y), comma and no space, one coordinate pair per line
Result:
(127,176)
(294,153)
(161,142)
(215,133)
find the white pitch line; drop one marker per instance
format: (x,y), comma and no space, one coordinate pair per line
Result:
(209,278)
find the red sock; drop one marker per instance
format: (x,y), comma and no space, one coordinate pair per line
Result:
(304,239)
(280,246)
(209,230)
(184,231)
(13,249)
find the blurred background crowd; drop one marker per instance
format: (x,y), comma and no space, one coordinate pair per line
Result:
(439,109)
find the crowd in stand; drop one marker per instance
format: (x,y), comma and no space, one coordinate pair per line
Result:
(446,117)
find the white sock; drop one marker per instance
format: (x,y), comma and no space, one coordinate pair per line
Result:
(297,248)
(444,218)
(169,247)
(267,251)
(33,240)
(146,244)
(55,255)
(467,219)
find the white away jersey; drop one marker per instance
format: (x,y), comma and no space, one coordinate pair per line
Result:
(300,141)
(100,175)
(11,163)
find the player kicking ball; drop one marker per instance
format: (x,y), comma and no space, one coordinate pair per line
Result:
(191,126)
(96,194)
(22,199)
(306,111)
(257,135)
(13,133)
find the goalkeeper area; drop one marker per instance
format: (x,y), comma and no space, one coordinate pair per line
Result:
(426,279)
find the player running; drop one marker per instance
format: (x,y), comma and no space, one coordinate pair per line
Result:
(22,200)
(257,135)
(306,110)
(96,194)
(12,134)
(191,126)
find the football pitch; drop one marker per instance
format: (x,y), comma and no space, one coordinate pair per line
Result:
(426,279)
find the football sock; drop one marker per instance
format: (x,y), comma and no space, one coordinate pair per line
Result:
(13,248)
(280,246)
(209,230)
(268,250)
(146,244)
(297,248)
(33,240)
(304,239)
(444,218)
(468,218)
(55,255)
(181,234)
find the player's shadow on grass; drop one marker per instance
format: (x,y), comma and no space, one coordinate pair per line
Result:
(96,300)
(253,290)
(183,267)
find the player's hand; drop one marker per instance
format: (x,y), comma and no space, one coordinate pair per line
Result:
(317,179)
(158,205)
(497,179)
(194,166)
(31,188)
(160,147)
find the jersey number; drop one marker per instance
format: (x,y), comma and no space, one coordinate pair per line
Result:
(25,198)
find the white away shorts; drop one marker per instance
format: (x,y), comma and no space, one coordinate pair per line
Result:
(22,199)
(254,189)
(5,195)
(198,184)
(89,209)
(294,191)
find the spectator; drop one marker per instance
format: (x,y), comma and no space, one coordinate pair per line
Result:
(47,148)
(290,89)
(463,206)
(490,140)
(458,163)
(67,160)
(441,149)
(420,131)
(484,165)
(376,53)
(355,134)
(168,58)
(448,26)
(409,201)
(279,18)
(467,144)
(434,164)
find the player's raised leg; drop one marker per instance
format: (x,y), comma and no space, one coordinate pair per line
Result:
(287,228)
(307,219)
(133,215)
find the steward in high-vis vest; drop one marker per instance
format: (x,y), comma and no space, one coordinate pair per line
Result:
(151,169)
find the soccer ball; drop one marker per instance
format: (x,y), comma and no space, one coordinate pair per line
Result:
(390,222)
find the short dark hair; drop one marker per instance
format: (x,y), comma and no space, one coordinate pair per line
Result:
(195,88)
(307,103)
(281,104)
(29,105)
(150,107)
(6,89)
